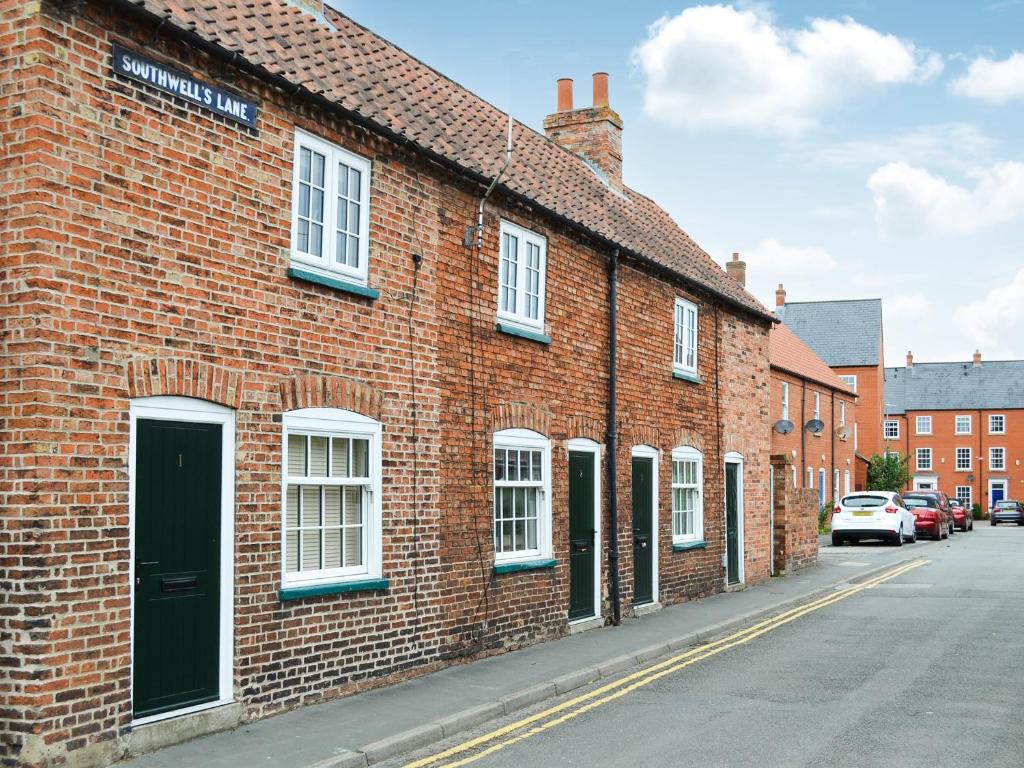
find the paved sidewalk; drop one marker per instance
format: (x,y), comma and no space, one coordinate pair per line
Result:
(370,727)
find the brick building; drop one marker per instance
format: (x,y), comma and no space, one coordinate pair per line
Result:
(264,268)
(961,425)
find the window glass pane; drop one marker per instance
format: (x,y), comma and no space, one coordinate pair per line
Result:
(316,239)
(291,551)
(513,465)
(677,471)
(296,455)
(353,251)
(318,456)
(360,458)
(311,550)
(508,272)
(310,506)
(353,526)
(524,465)
(355,184)
(332,506)
(291,507)
(536,462)
(305,163)
(339,457)
(499,463)
(353,218)
(332,548)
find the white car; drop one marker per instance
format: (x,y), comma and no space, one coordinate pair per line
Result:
(872,515)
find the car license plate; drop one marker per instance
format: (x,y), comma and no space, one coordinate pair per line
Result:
(862,513)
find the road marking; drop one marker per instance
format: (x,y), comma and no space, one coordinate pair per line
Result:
(619,688)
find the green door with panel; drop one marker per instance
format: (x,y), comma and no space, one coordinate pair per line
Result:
(582,474)
(643,529)
(732,522)
(176,631)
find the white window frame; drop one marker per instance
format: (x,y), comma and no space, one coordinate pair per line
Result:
(968,498)
(325,264)
(810,477)
(518,314)
(957,421)
(920,421)
(923,459)
(842,413)
(992,465)
(526,439)
(894,424)
(846,482)
(336,422)
(956,458)
(835,486)
(682,311)
(690,454)
(850,380)
(817,406)
(785,400)
(1002,429)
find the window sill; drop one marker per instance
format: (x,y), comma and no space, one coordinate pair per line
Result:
(528,565)
(515,330)
(691,377)
(685,546)
(333,282)
(316,590)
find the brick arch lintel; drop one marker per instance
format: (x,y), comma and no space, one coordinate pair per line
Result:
(641,434)
(318,391)
(733,443)
(182,377)
(682,437)
(585,426)
(521,416)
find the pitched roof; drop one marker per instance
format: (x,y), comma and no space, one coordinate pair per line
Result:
(842,333)
(364,74)
(955,386)
(787,352)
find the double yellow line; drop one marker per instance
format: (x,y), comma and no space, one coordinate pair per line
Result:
(514,733)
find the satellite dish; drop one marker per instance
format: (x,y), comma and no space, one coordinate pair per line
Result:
(843,433)
(815,426)
(783,426)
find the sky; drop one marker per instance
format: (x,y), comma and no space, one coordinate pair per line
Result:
(846,149)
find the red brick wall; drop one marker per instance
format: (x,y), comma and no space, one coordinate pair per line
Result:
(870,406)
(796,519)
(150,243)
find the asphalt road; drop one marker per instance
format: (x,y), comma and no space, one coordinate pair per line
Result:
(924,669)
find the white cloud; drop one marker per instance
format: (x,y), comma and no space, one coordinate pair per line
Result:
(994,81)
(716,65)
(959,146)
(996,318)
(912,201)
(784,260)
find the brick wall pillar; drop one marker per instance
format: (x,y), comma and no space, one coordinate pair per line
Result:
(795,516)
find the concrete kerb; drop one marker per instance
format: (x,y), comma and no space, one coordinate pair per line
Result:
(430,733)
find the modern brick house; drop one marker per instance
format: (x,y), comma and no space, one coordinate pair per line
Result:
(961,425)
(310,386)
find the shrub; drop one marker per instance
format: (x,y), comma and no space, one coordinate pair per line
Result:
(825,518)
(976,512)
(888,472)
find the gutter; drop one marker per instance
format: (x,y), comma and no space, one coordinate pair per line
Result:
(231,58)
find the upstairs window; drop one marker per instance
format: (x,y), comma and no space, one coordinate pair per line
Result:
(892,429)
(851,381)
(522,267)
(817,406)
(963,425)
(330,209)
(687,495)
(684,358)
(924,459)
(785,400)
(963,459)
(997,459)
(997,424)
(842,413)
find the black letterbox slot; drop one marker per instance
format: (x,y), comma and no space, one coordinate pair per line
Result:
(179,584)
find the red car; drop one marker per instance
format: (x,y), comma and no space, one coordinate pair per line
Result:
(961,515)
(940,501)
(930,519)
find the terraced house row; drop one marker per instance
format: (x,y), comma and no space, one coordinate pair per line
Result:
(321,372)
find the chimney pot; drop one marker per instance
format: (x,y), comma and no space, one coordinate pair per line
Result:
(910,359)
(737,270)
(780,296)
(977,358)
(600,89)
(565,94)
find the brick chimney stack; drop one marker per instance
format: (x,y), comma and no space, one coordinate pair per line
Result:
(737,270)
(780,296)
(910,359)
(593,132)
(977,358)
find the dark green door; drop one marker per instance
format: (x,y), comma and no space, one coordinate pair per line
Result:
(643,529)
(581,534)
(176,643)
(732,523)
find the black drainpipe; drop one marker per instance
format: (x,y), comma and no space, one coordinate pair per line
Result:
(832,426)
(803,431)
(612,441)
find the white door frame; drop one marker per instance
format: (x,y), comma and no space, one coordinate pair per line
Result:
(168,408)
(650,452)
(586,445)
(735,458)
(991,485)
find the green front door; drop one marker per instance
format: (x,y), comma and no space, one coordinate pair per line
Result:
(176,641)
(643,529)
(581,534)
(732,523)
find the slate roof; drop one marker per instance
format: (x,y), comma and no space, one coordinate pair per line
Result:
(955,386)
(365,74)
(787,352)
(842,333)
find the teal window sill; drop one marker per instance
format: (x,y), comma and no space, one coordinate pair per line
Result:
(529,565)
(687,377)
(686,546)
(333,282)
(316,590)
(515,330)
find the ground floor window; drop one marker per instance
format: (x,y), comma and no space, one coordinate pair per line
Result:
(522,482)
(332,463)
(687,495)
